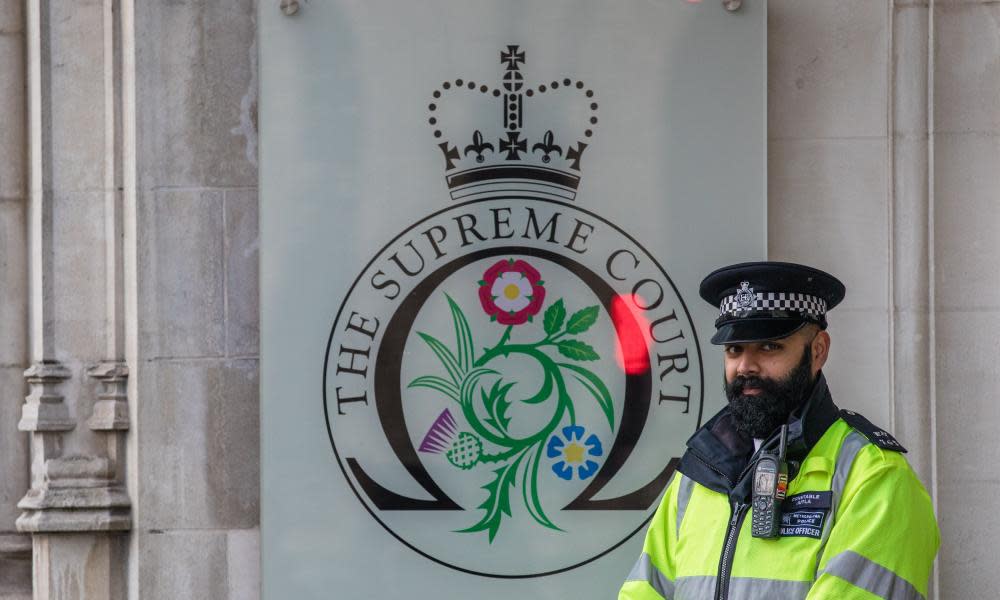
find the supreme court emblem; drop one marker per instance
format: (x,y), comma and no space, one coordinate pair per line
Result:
(510,381)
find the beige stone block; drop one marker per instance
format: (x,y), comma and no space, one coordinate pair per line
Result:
(967,67)
(968,417)
(967,558)
(826,68)
(242,274)
(827,207)
(15,578)
(967,221)
(911,392)
(79,566)
(79,274)
(11,16)
(911,278)
(182,564)
(199,435)
(13,158)
(858,368)
(243,560)
(196,90)
(14,460)
(180,272)
(968,414)
(13,282)
(910,53)
(75,111)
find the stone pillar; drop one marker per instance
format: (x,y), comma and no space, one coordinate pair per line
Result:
(965,136)
(75,410)
(15,548)
(912,345)
(193,367)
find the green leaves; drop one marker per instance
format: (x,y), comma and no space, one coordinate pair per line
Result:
(593,384)
(436,383)
(579,322)
(577,350)
(497,504)
(554,317)
(456,363)
(445,356)
(496,405)
(463,336)
(582,320)
(489,412)
(529,490)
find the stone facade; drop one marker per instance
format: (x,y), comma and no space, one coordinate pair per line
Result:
(129,444)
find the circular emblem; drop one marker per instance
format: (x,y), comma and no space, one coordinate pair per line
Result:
(509,384)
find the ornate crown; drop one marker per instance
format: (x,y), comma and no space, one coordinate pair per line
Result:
(535,154)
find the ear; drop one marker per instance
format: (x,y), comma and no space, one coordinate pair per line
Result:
(820,350)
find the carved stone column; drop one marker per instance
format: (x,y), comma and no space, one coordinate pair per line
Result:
(76,410)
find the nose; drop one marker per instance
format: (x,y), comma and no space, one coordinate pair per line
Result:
(747,365)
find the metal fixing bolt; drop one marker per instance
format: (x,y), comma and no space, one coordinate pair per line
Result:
(289,7)
(732,5)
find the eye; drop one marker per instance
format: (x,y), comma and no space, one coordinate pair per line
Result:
(732,350)
(770,346)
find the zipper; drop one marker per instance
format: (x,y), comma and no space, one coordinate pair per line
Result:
(728,549)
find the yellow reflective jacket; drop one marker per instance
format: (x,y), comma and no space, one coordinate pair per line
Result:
(856,524)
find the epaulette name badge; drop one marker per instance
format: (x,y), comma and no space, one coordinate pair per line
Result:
(881,438)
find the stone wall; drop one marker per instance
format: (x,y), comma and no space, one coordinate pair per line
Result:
(884,142)
(196,396)
(15,549)
(128,226)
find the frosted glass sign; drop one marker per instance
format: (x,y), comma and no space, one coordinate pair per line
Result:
(483,227)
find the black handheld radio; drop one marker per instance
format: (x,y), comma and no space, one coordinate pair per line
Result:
(770,480)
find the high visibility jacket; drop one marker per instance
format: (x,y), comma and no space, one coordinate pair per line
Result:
(856,524)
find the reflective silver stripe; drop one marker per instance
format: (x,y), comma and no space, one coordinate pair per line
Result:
(849,449)
(871,577)
(696,588)
(753,588)
(685,487)
(744,588)
(645,570)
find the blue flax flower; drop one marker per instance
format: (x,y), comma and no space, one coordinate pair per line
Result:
(571,452)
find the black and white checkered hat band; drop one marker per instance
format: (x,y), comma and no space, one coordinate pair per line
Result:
(813,306)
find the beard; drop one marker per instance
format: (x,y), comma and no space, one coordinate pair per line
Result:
(760,415)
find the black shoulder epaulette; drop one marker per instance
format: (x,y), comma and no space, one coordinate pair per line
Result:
(880,437)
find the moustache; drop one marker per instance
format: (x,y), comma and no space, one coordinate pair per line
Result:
(739,383)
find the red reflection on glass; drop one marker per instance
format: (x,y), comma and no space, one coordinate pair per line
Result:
(632,351)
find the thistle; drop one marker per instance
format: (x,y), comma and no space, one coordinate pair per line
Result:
(463,450)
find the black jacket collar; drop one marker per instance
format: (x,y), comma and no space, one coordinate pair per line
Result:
(719,456)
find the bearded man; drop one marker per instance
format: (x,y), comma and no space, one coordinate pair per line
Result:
(835,511)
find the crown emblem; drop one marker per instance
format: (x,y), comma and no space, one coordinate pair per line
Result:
(493,146)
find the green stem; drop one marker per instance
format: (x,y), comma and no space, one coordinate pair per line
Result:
(500,456)
(503,338)
(486,434)
(552,370)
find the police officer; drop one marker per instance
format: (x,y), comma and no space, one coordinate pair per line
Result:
(782,494)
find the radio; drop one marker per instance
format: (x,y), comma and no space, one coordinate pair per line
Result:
(770,480)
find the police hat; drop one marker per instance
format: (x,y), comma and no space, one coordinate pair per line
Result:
(761,301)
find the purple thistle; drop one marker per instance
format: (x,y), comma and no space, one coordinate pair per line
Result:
(440,434)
